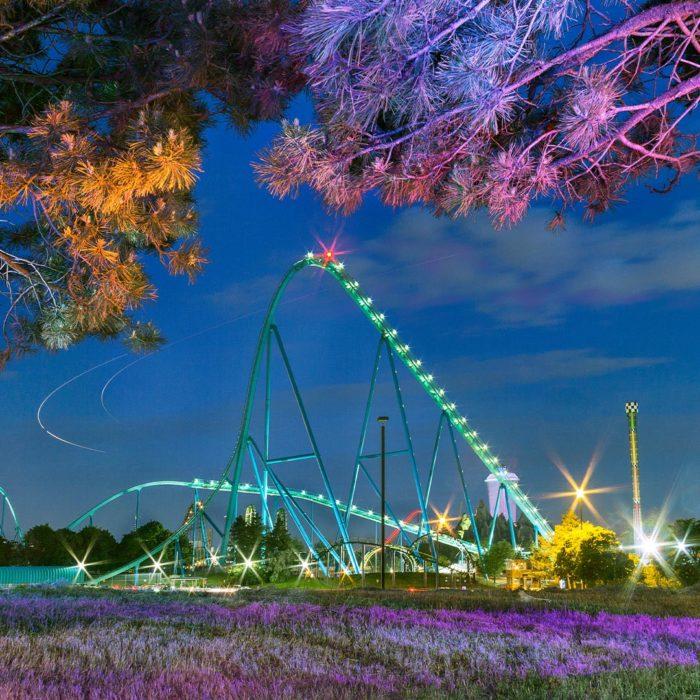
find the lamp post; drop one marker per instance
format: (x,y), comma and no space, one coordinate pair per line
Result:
(441,523)
(437,558)
(382,420)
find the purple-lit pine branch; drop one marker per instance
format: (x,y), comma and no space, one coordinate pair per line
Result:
(468,104)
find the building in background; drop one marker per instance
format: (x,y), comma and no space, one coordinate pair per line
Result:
(493,484)
(250,514)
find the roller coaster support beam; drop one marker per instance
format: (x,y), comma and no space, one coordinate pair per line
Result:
(433,460)
(492,529)
(363,431)
(314,446)
(292,506)
(467,500)
(266,444)
(233,469)
(414,466)
(511,529)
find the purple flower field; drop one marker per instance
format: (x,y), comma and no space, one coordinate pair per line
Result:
(121,646)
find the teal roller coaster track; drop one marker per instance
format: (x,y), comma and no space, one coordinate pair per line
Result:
(8,515)
(252,448)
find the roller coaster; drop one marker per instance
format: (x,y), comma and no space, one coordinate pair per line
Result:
(8,516)
(417,534)
(407,530)
(253,451)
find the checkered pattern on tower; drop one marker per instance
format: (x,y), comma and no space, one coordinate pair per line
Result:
(631,407)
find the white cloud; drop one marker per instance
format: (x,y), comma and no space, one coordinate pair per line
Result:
(528,275)
(471,374)
(537,368)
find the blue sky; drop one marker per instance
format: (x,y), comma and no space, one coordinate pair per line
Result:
(539,337)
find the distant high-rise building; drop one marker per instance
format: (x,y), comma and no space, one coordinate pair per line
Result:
(250,514)
(281,517)
(493,484)
(632,409)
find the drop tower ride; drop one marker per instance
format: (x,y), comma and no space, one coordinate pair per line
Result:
(632,409)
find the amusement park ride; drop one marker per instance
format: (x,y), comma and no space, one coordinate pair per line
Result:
(253,452)
(8,516)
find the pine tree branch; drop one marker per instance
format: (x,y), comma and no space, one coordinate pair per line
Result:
(449,30)
(680,90)
(14,265)
(572,57)
(37,21)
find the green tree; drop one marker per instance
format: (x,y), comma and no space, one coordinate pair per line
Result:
(11,553)
(501,532)
(96,547)
(494,559)
(278,540)
(685,560)
(45,546)
(582,551)
(600,559)
(524,532)
(144,538)
(463,526)
(246,537)
(482,519)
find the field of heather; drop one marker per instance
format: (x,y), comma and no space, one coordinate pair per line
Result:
(66,644)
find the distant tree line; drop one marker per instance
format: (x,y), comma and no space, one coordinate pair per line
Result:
(578,551)
(94,546)
(273,553)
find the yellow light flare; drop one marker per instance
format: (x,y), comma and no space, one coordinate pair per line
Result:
(580,493)
(443,519)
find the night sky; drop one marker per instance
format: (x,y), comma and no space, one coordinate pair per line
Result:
(539,337)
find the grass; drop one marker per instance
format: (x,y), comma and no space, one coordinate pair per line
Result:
(614,599)
(316,643)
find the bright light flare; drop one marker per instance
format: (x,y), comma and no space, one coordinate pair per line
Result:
(649,548)
(249,563)
(82,564)
(329,252)
(681,547)
(442,519)
(580,493)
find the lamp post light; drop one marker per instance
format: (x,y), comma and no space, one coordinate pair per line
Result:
(382,420)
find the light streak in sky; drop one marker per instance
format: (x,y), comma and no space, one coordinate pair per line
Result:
(121,370)
(56,390)
(53,392)
(182,340)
